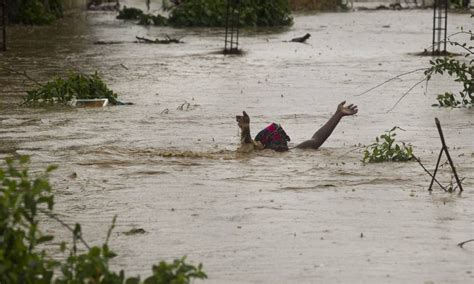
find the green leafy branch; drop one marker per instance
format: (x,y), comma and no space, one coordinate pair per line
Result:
(22,199)
(63,91)
(385,149)
(462,73)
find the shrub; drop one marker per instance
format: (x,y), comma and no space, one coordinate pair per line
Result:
(129,13)
(22,200)
(319,5)
(34,12)
(212,13)
(76,86)
(386,150)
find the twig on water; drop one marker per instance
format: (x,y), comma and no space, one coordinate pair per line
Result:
(350,151)
(419,162)
(56,218)
(24,74)
(461,45)
(445,149)
(406,93)
(463,243)
(457,185)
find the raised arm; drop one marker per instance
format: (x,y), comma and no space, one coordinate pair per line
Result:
(325,131)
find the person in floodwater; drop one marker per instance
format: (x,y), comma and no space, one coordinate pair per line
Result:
(275,138)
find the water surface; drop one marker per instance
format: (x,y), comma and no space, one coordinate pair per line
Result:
(302,216)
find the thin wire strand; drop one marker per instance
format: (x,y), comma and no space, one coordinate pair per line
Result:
(391,79)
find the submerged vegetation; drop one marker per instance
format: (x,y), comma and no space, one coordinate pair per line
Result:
(24,201)
(35,12)
(386,150)
(63,91)
(212,13)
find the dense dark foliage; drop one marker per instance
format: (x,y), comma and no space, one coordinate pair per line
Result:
(34,12)
(212,13)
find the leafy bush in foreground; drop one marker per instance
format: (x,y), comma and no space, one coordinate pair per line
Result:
(76,86)
(386,150)
(22,201)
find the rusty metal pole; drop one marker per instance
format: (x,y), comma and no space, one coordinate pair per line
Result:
(445,148)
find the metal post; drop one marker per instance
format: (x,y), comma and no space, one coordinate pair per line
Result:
(4,25)
(445,148)
(232,14)
(238,26)
(435,4)
(439,28)
(440,14)
(226,27)
(232,23)
(446,4)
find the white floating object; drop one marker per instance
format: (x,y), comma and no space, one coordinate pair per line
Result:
(90,103)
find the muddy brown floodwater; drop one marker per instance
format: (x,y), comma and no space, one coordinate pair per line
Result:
(296,217)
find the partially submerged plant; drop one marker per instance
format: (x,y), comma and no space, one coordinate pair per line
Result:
(386,150)
(63,91)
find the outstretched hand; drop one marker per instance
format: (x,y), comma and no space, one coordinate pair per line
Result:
(347,110)
(243,120)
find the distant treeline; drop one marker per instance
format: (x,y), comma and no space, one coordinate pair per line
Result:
(319,5)
(212,13)
(34,12)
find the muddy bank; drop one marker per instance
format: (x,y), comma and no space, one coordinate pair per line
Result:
(301,216)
